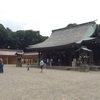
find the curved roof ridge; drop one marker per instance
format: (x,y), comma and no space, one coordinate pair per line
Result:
(78,25)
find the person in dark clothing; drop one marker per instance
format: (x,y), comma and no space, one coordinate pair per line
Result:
(1,66)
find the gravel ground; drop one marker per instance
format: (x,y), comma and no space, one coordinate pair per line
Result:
(19,84)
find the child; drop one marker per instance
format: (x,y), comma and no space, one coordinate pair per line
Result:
(28,67)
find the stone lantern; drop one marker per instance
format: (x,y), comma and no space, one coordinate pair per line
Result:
(19,58)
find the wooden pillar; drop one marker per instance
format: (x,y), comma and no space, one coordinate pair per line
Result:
(60,58)
(38,58)
(7,60)
(70,59)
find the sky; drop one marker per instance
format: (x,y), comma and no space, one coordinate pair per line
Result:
(47,15)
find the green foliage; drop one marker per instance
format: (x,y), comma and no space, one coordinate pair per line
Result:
(28,37)
(19,39)
(35,60)
(3,36)
(71,25)
(98,30)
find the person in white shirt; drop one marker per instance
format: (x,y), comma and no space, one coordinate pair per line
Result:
(41,65)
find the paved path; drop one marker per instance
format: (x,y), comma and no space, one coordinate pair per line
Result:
(20,84)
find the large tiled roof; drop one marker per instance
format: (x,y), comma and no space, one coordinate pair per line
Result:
(65,36)
(9,52)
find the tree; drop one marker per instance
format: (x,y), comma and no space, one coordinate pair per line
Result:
(98,30)
(28,37)
(19,39)
(71,25)
(3,36)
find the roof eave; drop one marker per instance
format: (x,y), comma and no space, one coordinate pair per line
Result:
(72,45)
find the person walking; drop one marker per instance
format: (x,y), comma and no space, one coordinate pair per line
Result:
(47,61)
(28,67)
(51,60)
(41,65)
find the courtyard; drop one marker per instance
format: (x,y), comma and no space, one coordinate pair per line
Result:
(16,83)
